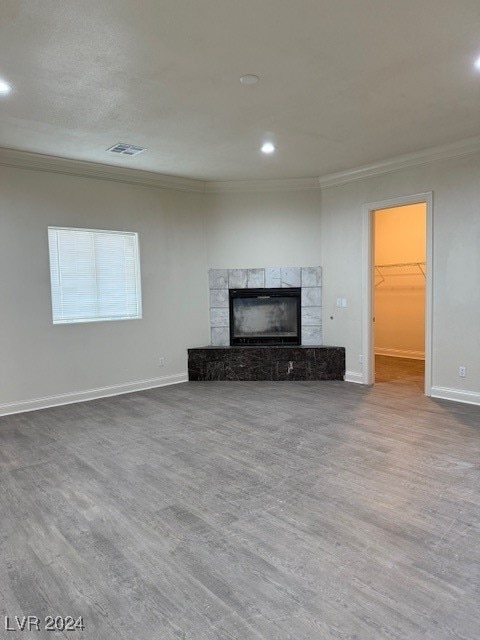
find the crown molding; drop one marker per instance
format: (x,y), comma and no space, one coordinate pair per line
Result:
(83,169)
(237,186)
(415,159)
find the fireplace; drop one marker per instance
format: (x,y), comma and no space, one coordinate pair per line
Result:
(265,316)
(265,281)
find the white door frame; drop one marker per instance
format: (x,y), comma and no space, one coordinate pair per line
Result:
(368,283)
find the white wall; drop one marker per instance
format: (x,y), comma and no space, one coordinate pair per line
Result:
(182,235)
(39,360)
(272,229)
(456,265)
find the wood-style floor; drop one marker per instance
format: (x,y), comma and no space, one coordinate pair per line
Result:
(246,511)
(401,371)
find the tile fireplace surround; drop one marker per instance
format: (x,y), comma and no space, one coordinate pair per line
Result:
(308,278)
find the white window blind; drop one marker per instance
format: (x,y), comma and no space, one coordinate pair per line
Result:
(95,275)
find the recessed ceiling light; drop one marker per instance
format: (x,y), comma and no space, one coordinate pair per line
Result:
(268,147)
(476,64)
(5,88)
(249,78)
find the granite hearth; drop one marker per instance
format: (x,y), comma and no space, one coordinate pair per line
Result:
(266,363)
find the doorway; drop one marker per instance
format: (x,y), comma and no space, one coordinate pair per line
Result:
(397,291)
(399,239)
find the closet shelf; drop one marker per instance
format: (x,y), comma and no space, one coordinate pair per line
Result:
(384,271)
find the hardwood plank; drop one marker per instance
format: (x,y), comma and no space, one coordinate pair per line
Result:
(246,510)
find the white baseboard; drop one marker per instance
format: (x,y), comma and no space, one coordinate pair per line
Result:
(352,376)
(399,353)
(91,394)
(444,393)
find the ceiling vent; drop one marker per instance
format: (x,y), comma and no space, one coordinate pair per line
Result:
(126,149)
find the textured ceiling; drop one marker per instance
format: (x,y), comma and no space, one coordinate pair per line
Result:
(343,82)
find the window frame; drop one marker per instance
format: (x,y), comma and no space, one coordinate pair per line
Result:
(137,276)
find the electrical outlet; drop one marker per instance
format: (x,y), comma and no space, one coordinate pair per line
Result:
(344,303)
(339,302)
(161,362)
(462,372)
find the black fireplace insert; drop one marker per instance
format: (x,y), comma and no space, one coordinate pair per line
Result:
(265,316)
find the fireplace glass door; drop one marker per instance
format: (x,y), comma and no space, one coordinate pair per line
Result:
(264,316)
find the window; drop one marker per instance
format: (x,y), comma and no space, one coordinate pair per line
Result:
(95,275)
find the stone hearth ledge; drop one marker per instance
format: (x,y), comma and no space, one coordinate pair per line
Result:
(286,362)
